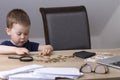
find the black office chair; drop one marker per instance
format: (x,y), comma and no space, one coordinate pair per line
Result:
(66,28)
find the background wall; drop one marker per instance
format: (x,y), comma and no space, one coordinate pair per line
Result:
(104,19)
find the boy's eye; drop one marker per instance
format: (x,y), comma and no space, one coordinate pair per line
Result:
(26,34)
(18,33)
(22,33)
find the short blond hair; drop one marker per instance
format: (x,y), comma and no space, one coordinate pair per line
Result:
(17,16)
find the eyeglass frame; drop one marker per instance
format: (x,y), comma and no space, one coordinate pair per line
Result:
(93,71)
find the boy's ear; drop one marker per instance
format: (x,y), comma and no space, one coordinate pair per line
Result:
(8,31)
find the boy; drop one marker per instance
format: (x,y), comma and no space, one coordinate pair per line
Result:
(18,27)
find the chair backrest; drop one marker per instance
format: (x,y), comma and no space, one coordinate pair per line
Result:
(66,28)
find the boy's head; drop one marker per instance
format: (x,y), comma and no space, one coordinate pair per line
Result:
(18,25)
(17,16)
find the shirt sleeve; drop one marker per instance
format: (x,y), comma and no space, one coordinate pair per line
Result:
(7,43)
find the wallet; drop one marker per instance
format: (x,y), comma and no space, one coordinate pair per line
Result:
(84,54)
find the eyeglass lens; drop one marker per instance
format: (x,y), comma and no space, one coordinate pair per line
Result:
(98,69)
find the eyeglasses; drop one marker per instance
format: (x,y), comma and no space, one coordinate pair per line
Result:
(100,69)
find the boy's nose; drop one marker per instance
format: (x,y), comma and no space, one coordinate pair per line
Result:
(22,36)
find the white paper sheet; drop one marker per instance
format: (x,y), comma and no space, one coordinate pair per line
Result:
(57,71)
(39,72)
(24,69)
(28,76)
(48,73)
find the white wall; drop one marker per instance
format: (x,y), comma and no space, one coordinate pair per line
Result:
(104,19)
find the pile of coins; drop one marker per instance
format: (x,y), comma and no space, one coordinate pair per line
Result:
(49,59)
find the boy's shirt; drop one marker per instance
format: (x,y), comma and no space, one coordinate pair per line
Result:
(31,46)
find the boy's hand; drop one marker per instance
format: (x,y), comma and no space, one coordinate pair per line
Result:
(45,49)
(22,51)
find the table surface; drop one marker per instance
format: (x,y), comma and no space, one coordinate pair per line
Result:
(114,74)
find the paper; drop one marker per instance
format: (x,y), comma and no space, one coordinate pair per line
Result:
(53,72)
(24,69)
(30,76)
(58,71)
(99,55)
(39,72)
(48,74)
(27,76)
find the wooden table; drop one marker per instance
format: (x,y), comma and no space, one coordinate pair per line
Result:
(114,74)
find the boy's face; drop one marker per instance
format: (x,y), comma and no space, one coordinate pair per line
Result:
(19,34)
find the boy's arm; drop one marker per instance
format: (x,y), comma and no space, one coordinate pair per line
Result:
(12,50)
(45,49)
